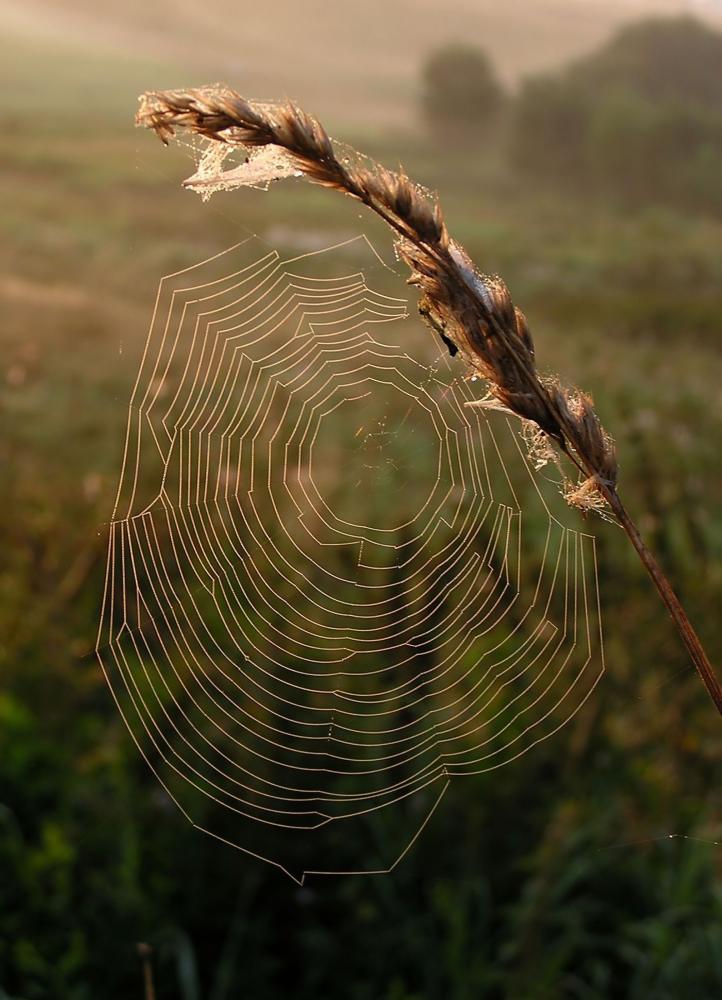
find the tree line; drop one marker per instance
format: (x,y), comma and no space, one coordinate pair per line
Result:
(639,119)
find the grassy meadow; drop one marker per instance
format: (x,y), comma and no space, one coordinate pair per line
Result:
(588,869)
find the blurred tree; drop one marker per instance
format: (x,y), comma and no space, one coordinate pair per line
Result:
(676,59)
(460,92)
(548,129)
(640,119)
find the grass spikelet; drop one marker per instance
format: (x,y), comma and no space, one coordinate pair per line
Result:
(474,315)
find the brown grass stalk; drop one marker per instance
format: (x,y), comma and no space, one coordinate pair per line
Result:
(145,953)
(473,314)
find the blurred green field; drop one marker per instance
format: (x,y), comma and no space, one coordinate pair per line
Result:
(588,869)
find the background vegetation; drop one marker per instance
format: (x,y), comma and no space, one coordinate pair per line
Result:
(639,120)
(588,869)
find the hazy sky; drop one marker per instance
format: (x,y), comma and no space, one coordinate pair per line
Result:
(316,51)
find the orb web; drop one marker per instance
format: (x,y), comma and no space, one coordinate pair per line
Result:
(319,606)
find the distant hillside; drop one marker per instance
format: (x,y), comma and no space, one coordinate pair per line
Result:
(352,62)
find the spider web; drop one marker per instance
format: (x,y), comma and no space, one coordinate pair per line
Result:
(315,613)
